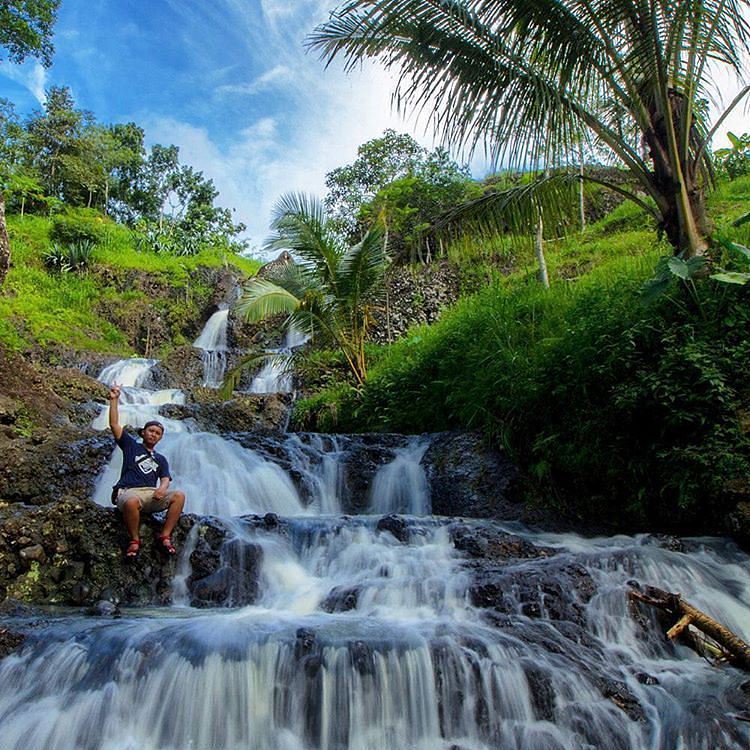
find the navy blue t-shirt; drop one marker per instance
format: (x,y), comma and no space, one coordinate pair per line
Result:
(140,467)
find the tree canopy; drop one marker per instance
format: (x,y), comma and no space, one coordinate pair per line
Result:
(60,155)
(532,80)
(26,29)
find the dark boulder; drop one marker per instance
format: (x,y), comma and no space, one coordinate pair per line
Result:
(468,477)
(394,525)
(62,461)
(243,413)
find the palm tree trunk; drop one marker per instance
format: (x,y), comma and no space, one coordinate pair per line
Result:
(4,243)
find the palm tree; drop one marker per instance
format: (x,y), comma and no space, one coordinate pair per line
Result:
(529,78)
(332,291)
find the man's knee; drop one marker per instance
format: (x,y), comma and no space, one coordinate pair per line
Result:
(177,498)
(131,504)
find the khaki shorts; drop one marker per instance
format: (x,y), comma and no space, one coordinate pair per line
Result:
(145,496)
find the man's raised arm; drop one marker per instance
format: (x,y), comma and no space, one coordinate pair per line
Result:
(114,414)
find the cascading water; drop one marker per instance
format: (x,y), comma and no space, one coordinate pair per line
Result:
(401,485)
(354,633)
(213,342)
(275,377)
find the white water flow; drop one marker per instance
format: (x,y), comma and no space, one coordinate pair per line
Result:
(401,485)
(275,376)
(213,342)
(335,633)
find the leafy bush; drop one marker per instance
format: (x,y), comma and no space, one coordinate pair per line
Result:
(82,225)
(73,257)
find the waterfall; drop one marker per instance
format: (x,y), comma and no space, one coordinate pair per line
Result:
(401,485)
(213,342)
(363,632)
(275,376)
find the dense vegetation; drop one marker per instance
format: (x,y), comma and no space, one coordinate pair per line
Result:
(618,407)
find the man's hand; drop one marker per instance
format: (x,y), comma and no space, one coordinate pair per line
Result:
(159,493)
(114,392)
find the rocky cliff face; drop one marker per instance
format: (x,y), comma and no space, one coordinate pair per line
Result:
(415,295)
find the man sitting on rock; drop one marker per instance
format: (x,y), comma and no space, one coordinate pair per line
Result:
(143,485)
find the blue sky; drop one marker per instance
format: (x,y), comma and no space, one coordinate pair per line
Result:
(230,82)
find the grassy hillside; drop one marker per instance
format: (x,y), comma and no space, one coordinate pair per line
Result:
(617,408)
(93,309)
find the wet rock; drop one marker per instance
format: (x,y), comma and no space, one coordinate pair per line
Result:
(181,368)
(80,593)
(243,413)
(646,679)
(362,657)
(489,543)
(556,591)
(66,461)
(34,553)
(468,477)
(618,693)
(214,589)
(225,572)
(396,526)
(340,599)
(542,693)
(103,608)
(306,642)
(83,544)
(10,641)
(270,521)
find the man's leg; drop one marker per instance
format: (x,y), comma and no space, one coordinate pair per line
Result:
(131,515)
(176,504)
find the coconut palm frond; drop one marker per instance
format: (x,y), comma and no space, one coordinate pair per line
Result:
(263,299)
(300,224)
(363,265)
(531,79)
(515,210)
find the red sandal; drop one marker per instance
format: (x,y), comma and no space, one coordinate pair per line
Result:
(165,545)
(133,549)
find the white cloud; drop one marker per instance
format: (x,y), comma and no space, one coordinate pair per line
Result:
(31,75)
(276,76)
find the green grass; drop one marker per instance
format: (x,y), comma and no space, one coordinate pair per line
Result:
(40,308)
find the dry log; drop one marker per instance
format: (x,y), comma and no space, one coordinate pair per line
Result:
(734,649)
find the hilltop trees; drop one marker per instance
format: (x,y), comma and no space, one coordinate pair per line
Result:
(62,156)
(530,80)
(396,180)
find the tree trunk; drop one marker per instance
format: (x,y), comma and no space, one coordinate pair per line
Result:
(732,648)
(4,243)
(682,209)
(581,204)
(539,250)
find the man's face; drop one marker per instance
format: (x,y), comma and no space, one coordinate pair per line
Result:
(152,435)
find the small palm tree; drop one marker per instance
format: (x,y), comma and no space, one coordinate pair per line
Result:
(332,291)
(531,78)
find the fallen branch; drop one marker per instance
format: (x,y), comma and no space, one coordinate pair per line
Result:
(728,646)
